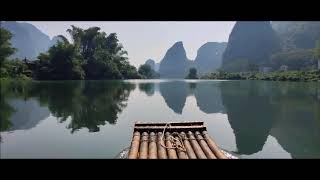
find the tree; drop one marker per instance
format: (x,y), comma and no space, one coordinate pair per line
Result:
(145,70)
(192,74)
(317,53)
(91,55)
(317,50)
(62,62)
(6,48)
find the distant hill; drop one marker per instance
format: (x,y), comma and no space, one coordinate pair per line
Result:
(175,62)
(297,34)
(28,39)
(53,41)
(250,44)
(209,57)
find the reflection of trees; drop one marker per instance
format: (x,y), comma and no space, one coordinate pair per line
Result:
(148,88)
(6,112)
(192,86)
(7,90)
(88,104)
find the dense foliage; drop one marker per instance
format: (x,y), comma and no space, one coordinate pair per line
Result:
(317,50)
(147,72)
(91,55)
(295,60)
(313,75)
(192,74)
(10,68)
(6,48)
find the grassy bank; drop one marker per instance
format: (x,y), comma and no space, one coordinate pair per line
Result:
(306,76)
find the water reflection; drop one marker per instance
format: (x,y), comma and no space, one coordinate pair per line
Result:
(207,95)
(175,94)
(88,104)
(287,111)
(246,105)
(148,88)
(290,112)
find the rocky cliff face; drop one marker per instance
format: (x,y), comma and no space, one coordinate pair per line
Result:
(297,34)
(209,57)
(250,43)
(28,39)
(175,62)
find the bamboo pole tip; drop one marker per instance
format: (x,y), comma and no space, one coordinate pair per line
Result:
(145,134)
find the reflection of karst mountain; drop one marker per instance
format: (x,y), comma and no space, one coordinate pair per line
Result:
(246,107)
(207,95)
(27,114)
(88,104)
(298,136)
(298,126)
(175,94)
(148,88)
(287,111)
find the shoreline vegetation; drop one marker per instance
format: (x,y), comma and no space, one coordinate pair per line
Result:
(306,76)
(93,55)
(90,55)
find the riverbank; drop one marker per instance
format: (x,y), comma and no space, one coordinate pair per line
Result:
(15,79)
(305,76)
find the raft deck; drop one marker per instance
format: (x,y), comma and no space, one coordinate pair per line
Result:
(174,140)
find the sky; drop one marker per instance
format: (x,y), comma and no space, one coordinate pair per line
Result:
(150,39)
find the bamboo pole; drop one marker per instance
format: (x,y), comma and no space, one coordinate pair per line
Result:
(204,146)
(171,152)
(196,147)
(162,152)
(144,146)
(181,154)
(213,146)
(153,146)
(187,145)
(133,153)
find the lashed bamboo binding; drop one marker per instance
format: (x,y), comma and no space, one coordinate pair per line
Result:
(176,140)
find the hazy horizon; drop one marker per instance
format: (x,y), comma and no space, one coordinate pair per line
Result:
(149,39)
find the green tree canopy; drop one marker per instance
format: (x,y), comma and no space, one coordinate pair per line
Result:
(317,50)
(192,74)
(91,54)
(147,72)
(6,48)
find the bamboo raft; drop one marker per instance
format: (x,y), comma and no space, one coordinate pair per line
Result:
(176,140)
